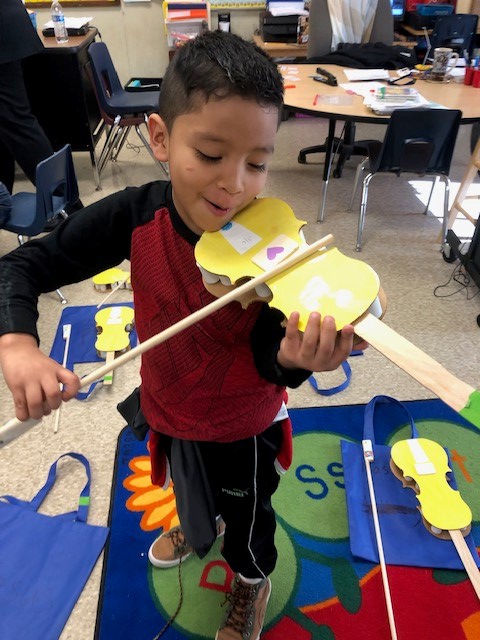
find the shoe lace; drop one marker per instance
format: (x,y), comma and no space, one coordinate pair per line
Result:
(179,606)
(178,539)
(240,602)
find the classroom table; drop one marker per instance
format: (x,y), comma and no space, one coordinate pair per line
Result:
(305,95)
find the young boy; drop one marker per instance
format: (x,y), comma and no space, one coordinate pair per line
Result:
(212,395)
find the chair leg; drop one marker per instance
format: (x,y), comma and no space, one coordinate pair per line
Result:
(434,184)
(119,147)
(112,154)
(446,199)
(63,300)
(348,140)
(360,167)
(163,166)
(108,145)
(363,210)
(96,173)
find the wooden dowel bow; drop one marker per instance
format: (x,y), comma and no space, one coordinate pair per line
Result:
(368,459)
(15,427)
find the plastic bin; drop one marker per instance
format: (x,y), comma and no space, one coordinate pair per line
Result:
(143,84)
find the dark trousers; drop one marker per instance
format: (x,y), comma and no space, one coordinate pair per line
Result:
(242,479)
(22,139)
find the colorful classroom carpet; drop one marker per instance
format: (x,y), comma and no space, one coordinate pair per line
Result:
(320,591)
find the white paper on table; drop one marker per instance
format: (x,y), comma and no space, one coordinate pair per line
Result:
(362,88)
(383,106)
(71,23)
(357,75)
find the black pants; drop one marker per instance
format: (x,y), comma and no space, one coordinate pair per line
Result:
(22,139)
(242,479)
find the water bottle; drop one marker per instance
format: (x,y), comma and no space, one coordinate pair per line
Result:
(58,19)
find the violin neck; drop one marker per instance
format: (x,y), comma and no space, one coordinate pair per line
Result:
(414,361)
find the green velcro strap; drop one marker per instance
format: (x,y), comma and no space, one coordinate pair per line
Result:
(109,376)
(84,501)
(471,411)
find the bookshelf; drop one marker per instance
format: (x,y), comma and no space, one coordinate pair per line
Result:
(185,19)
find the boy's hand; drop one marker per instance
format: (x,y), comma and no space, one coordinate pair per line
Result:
(319,348)
(33,378)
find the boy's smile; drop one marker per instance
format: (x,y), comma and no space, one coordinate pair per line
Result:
(218,158)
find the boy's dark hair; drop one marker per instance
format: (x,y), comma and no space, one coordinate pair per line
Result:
(217,64)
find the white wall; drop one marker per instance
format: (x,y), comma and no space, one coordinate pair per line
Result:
(135,36)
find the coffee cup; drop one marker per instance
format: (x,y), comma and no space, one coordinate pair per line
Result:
(444,60)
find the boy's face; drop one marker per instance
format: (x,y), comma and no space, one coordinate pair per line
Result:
(218,157)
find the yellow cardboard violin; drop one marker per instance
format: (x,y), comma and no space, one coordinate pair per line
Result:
(422,465)
(113,325)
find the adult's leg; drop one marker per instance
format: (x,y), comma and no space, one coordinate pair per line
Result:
(20,131)
(7,166)
(5,203)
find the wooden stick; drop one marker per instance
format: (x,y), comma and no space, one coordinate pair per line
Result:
(67,331)
(466,558)
(14,427)
(110,294)
(368,458)
(414,361)
(108,378)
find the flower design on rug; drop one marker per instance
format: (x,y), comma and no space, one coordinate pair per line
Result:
(157,504)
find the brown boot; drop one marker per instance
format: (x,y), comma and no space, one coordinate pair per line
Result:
(171,548)
(247,604)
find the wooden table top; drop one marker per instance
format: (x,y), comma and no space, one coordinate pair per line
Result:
(335,102)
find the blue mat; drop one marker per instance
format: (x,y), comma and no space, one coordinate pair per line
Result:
(320,591)
(82,339)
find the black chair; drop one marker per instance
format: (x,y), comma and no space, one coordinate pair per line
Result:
(419,141)
(120,109)
(456,31)
(56,188)
(319,44)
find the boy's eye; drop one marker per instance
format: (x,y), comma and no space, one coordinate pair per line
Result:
(258,167)
(206,158)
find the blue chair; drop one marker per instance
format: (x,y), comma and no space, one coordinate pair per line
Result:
(56,186)
(418,141)
(456,31)
(120,109)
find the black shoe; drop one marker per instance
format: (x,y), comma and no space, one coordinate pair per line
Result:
(75,206)
(53,223)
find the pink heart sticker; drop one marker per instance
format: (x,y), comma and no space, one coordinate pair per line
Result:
(272,252)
